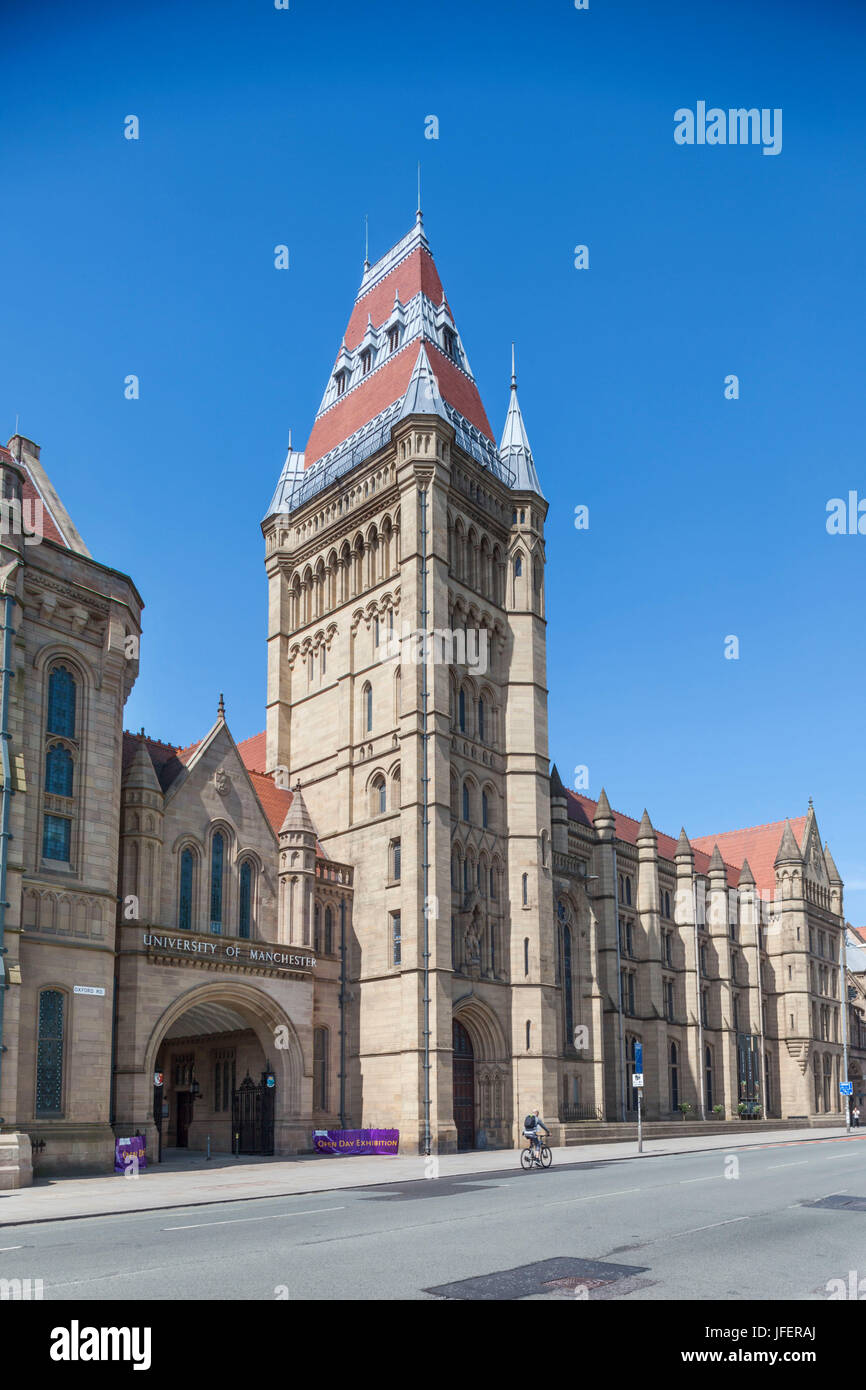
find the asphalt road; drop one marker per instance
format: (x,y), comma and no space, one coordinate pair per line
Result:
(734,1224)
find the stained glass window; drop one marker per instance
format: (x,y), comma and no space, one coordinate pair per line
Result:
(184,916)
(329,931)
(216,884)
(49,1054)
(245,899)
(56,838)
(58,771)
(61,702)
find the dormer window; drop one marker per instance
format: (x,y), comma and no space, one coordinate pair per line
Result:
(341,379)
(393,339)
(366,361)
(449,341)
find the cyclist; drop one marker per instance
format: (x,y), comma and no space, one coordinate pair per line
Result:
(532,1127)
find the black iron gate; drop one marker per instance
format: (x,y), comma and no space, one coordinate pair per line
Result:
(253,1115)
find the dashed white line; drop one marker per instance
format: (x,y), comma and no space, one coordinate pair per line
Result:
(239,1220)
(4,1248)
(800,1163)
(568,1201)
(694,1229)
(714,1177)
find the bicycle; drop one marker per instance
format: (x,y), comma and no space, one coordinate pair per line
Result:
(529,1159)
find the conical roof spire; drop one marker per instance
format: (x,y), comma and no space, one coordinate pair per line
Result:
(602,809)
(556,787)
(298,818)
(747,878)
(716,861)
(683,845)
(141,773)
(789,850)
(832,872)
(514,449)
(646,825)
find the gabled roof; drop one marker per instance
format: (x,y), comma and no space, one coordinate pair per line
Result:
(759,844)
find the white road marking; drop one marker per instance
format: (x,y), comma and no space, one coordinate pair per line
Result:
(238,1220)
(10,1247)
(730,1222)
(714,1177)
(569,1200)
(800,1163)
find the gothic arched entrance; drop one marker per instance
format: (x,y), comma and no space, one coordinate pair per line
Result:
(463,1086)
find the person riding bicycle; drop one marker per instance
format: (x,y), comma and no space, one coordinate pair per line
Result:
(532,1127)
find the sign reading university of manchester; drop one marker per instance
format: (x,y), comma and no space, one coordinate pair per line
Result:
(231,952)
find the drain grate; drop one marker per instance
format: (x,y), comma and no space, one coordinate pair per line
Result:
(840,1201)
(544,1277)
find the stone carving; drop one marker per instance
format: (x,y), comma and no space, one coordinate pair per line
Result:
(222,781)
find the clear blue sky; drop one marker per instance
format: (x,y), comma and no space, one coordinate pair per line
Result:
(261,126)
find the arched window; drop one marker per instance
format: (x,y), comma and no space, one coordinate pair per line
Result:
(245,899)
(667,904)
(481,720)
(49,1053)
(484,810)
(217,862)
(708,1067)
(566,985)
(492,882)
(368,707)
(378,797)
(518,566)
(525,890)
(329,932)
(465,877)
(61,702)
(526,955)
(58,771)
(317,929)
(628,891)
(465,800)
(461,711)
(184,911)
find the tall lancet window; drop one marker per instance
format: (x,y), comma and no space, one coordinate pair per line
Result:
(566,984)
(246,899)
(217,861)
(61,702)
(184,913)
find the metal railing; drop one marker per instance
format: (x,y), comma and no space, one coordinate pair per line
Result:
(573,1114)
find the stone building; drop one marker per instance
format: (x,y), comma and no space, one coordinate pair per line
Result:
(385,910)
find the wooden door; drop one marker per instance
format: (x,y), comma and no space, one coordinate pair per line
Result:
(464,1087)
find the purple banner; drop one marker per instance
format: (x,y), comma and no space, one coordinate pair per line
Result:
(356,1141)
(129,1155)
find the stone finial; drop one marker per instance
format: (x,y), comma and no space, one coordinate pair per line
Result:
(747,878)
(646,826)
(717,863)
(221,708)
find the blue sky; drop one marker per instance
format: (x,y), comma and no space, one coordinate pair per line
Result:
(707,516)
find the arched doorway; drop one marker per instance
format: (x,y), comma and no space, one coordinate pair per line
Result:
(463,1086)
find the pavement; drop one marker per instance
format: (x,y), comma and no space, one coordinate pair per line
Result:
(186,1179)
(778,1220)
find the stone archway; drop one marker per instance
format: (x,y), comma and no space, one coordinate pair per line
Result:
(210,1021)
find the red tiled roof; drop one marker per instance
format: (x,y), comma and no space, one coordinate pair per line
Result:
(275,801)
(583,808)
(253,752)
(759,844)
(416,275)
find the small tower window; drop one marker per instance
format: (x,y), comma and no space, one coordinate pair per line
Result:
(245,899)
(518,567)
(465,801)
(341,380)
(525,890)
(368,707)
(394,339)
(485,810)
(366,361)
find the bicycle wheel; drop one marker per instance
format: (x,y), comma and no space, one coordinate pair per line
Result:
(546,1156)
(526,1159)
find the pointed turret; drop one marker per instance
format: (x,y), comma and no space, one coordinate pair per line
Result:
(832,872)
(789,850)
(646,826)
(514,449)
(747,878)
(683,849)
(140,774)
(716,861)
(298,818)
(556,787)
(603,814)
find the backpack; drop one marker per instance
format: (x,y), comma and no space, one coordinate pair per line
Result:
(530,1122)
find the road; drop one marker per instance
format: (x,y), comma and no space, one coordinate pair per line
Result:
(734,1224)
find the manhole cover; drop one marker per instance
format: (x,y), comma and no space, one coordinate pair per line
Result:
(542,1277)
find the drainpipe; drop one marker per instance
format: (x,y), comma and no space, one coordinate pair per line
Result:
(622,1075)
(342,1013)
(6,674)
(425,820)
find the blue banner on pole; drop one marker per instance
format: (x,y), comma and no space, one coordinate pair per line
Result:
(638,1059)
